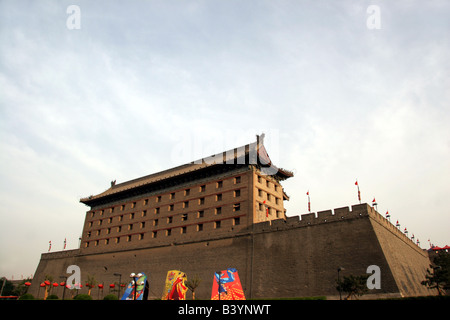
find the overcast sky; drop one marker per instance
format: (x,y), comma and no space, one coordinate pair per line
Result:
(341,92)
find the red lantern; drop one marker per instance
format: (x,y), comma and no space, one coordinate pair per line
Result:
(112,285)
(47,283)
(27,284)
(62,284)
(100,286)
(55,284)
(42,284)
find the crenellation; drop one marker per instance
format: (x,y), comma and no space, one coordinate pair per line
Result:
(325,214)
(342,212)
(294,220)
(308,218)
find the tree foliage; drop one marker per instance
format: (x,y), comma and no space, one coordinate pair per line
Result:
(193,284)
(439,275)
(353,286)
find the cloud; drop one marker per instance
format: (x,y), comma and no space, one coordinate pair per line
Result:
(147,86)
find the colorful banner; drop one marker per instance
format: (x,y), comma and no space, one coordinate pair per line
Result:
(227,286)
(141,281)
(175,288)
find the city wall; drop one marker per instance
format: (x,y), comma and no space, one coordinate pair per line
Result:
(295,257)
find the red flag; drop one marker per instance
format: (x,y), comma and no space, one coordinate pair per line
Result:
(49,245)
(309,202)
(359,193)
(64,243)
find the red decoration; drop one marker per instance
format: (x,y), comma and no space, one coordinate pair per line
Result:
(47,283)
(42,284)
(112,285)
(55,284)
(100,286)
(27,284)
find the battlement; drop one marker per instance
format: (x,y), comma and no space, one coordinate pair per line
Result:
(335,215)
(60,254)
(327,216)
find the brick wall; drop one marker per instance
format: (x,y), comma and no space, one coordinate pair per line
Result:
(295,257)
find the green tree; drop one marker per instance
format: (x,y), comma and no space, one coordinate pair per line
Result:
(354,286)
(91,282)
(439,275)
(193,284)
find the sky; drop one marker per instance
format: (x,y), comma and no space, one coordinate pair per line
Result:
(115,90)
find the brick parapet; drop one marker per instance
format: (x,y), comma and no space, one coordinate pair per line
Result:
(305,220)
(60,254)
(335,215)
(379,219)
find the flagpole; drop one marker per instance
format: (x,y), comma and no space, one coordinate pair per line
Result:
(309,202)
(359,193)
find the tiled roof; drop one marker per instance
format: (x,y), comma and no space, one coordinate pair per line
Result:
(254,153)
